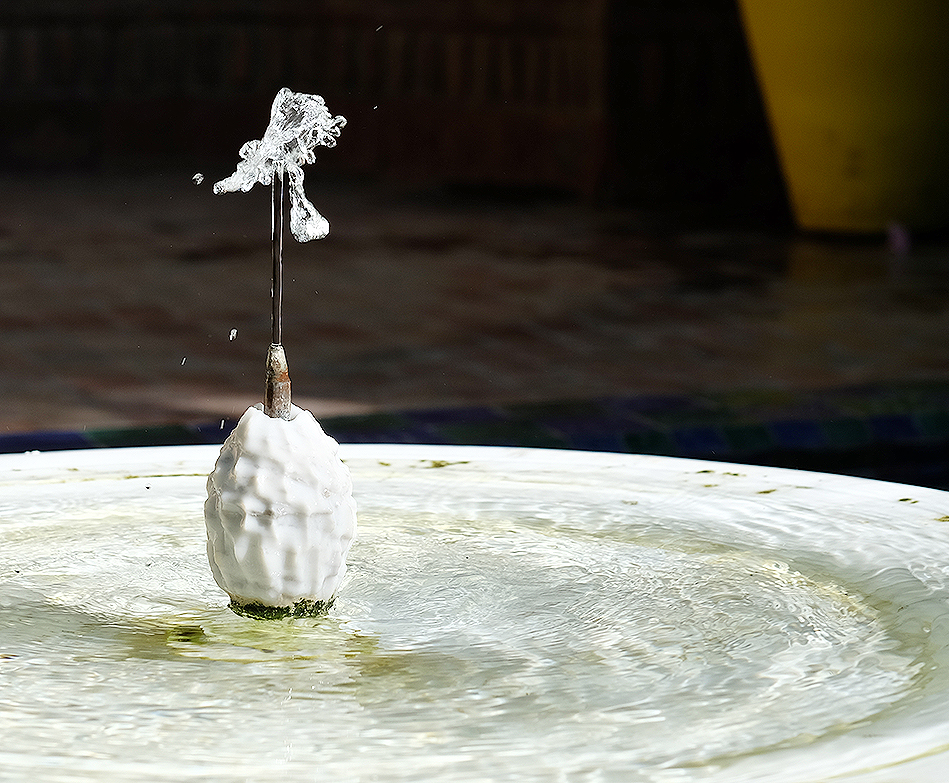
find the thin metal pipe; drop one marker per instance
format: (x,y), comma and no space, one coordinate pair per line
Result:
(277,388)
(276,248)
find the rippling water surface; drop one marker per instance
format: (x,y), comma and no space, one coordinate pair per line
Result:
(600,628)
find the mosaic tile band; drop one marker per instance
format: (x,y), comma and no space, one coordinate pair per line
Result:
(893,432)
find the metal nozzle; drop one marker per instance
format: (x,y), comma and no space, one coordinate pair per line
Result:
(277,392)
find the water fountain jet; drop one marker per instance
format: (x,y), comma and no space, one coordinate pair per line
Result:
(280,514)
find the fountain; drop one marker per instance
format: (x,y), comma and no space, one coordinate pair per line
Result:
(508,613)
(280,513)
(528,614)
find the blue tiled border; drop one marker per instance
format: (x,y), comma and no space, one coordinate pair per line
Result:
(894,432)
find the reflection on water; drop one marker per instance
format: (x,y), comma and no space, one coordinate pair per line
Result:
(536,633)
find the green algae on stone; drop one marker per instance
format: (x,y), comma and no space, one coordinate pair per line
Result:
(302,608)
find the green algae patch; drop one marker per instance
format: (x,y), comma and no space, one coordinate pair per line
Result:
(302,608)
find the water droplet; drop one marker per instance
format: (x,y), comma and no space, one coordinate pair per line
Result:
(305,222)
(298,124)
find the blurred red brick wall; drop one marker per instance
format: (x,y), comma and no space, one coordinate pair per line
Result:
(625,99)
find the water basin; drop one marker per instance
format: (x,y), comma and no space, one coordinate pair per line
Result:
(509,613)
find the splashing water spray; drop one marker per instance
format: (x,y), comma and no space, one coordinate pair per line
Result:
(280,514)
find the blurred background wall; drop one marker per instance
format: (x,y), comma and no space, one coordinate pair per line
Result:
(644,102)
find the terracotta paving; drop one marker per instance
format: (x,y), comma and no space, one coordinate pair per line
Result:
(119,296)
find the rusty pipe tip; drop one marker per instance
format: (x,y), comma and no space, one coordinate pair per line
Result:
(277,391)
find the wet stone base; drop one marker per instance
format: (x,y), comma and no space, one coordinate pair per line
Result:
(302,608)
